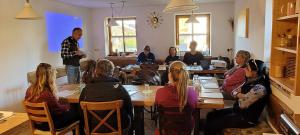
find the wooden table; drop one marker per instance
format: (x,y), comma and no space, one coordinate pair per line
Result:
(192,69)
(140,100)
(17,124)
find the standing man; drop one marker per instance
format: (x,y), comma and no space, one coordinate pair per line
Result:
(71,55)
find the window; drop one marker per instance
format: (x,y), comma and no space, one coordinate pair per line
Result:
(199,32)
(122,38)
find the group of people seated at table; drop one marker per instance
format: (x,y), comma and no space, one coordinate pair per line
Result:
(193,57)
(247,83)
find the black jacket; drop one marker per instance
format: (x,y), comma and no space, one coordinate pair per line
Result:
(253,112)
(104,90)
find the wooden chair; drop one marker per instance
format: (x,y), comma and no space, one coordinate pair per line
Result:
(92,107)
(39,112)
(170,119)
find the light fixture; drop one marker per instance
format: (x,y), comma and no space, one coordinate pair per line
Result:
(112,21)
(192,19)
(180,5)
(28,13)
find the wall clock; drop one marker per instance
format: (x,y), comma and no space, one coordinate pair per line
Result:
(154,19)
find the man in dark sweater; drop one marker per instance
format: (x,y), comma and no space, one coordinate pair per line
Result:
(192,57)
(105,88)
(146,57)
(71,55)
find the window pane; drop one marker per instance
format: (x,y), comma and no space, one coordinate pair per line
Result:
(117,43)
(202,43)
(117,30)
(184,28)
(130,44)
(201,27)
(184,42)
(129,27)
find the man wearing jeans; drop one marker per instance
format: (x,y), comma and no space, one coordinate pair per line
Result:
(71,55)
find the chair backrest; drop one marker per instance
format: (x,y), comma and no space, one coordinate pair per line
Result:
(39,113)
(90,108)
(152,67)
(171,119)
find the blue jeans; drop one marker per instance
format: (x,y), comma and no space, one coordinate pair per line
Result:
(73,74)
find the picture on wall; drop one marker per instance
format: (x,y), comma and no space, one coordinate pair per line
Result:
(243,23)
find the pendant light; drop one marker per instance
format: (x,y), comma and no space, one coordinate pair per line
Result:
(180,5)
(28,13)
(112,21)
(192,19)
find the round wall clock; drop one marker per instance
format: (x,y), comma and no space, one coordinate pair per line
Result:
(154,19)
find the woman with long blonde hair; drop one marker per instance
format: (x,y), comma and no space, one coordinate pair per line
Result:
(178,94)
(44,90)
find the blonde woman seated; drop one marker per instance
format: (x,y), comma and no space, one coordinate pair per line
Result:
(44,90)
(235,76)
(178,94)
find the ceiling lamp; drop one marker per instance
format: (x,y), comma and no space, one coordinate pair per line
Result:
(180,5)
(192,19)
(112,21)
(28,13)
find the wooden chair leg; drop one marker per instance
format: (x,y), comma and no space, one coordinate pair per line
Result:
(77,130)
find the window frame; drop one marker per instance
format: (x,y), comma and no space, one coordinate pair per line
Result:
(111,51)
(208,38)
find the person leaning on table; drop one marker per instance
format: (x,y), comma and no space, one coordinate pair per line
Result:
(146,57)
(44,90)
(104,88)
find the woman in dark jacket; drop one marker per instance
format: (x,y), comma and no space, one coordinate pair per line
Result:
(172,56)
(251,98)
(104,88)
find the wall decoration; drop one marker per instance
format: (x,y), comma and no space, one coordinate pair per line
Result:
(154,19)
(243,23)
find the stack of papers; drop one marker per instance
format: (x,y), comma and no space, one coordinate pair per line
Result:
(4,115)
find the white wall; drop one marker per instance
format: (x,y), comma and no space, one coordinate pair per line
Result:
(268,30)
(24,45)
(161,39)
(255,42)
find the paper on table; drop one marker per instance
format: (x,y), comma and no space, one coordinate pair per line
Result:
(211,95)
(66,93)
(205,78)
(209,84)
(5,115)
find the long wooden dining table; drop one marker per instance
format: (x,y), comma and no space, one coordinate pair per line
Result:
(208,99)
(192,69)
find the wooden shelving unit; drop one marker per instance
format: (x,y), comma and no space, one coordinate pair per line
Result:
(287,49)
(285,65)
(288,25)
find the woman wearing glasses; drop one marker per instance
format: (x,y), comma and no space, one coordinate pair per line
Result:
(251,98)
